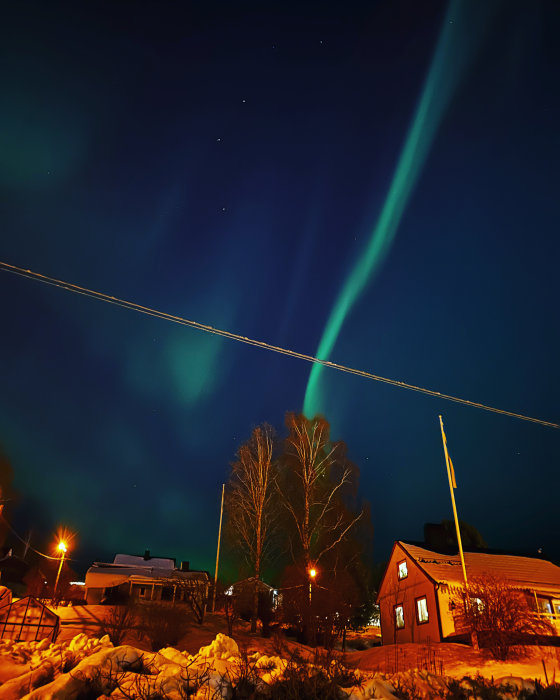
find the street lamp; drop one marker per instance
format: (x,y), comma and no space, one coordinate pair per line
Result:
(312,573)
(62,548)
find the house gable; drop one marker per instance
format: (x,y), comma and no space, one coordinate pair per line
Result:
(407,601)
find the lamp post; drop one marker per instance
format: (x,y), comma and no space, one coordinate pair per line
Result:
(312,573)
(62,548)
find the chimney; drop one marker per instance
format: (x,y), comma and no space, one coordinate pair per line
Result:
(185,566)
(147,555)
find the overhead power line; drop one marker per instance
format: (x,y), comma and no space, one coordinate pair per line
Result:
(25,542)
(76,289)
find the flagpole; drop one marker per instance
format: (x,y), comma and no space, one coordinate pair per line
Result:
(452,486)
(218,551)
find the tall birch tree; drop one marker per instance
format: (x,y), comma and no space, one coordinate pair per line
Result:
(250,504)
(316,480)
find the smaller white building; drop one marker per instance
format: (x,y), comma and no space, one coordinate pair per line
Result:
(145,578)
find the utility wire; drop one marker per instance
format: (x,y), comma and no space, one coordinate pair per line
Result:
(69,287)
(11,529)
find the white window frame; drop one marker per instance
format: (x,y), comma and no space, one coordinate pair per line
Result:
(398,617)
(422,614)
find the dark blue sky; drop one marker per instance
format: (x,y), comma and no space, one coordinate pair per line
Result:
(227,162)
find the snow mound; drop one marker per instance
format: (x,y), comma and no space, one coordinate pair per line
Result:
(94,668)
(59,655)
(98,670)
(172,655)
(223,647)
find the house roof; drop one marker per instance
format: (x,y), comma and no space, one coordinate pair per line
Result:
(104,575)
(145,560)
(522,572)
(251,581)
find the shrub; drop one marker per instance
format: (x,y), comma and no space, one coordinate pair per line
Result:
(163,624)
(118,622)
(499,615)
(541,692)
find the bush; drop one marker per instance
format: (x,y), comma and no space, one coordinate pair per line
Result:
(119,621)
(319,616)
(479,688)
(162,623)
(541,692)
(499,615)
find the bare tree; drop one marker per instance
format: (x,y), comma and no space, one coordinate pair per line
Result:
(249,504)
(316,481)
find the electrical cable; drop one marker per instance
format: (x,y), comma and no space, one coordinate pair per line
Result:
(25,542)
(76,289)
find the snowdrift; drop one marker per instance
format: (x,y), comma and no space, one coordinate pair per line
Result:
(93,667)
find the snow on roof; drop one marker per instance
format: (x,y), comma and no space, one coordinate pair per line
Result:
(251,581)
(523,572)
(151,562)
(102,575)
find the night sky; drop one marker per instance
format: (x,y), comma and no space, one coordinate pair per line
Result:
(380,178)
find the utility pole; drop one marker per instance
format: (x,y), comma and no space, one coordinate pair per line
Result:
(27,544)
(62,548)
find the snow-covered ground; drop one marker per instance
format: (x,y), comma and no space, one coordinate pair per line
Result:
(68,669)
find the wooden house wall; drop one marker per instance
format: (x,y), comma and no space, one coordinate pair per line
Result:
(406,592)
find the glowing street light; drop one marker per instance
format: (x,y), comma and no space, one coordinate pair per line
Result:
(312,573)
(62,548)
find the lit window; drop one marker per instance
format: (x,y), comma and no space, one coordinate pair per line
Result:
(477,604)
(544,605)
(403,571)
(422,610)
(399,617)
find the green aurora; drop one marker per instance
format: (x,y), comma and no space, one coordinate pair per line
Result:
(461,35)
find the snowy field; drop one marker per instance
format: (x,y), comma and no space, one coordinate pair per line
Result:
(82,665)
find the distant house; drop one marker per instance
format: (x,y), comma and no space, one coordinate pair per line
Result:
(419,588)
(246,588)
(145,578)
(13,570)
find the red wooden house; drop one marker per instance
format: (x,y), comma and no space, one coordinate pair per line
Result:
(418,593)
